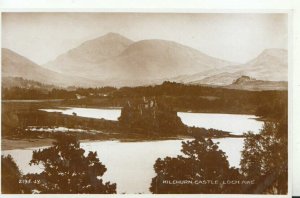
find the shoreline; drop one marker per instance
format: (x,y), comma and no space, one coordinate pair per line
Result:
(96,106)
(15,144)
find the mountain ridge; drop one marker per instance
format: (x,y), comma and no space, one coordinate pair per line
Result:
(145,60)
(269,65)
(114,60)
(16,65)
(85,53)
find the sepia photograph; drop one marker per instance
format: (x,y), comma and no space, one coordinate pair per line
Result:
(144,103)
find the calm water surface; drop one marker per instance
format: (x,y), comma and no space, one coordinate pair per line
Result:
(235,123)
(130,164)
(107,114)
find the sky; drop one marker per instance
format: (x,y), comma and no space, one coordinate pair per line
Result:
(238,37)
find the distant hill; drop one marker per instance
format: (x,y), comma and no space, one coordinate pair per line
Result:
(270,65)
(243,80)
(248,83)
(15,65)
(114,60)
(119,61)
(84,59)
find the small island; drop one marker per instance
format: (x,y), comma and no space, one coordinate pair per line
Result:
(149,117)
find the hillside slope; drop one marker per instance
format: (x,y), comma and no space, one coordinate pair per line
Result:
(116,60)
(15,65)
(270,65)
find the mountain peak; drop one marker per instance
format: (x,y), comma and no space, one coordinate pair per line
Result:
(90,53)
(109,37)
(274,59)
(113,56)
(112,34)
(273,53)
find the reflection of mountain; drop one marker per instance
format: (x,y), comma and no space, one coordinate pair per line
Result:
(117,60)
(15,65)
(270,65)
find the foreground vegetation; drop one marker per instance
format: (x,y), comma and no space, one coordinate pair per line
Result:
(66,171)
(204,168)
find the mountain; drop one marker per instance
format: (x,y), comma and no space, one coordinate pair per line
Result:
(114,60)
(15,65)
(119,61)
(85,58)
(270,65)
(158,59)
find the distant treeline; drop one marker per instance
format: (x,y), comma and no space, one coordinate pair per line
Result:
(9,82)
(196,98)
(18,93)
(179,97)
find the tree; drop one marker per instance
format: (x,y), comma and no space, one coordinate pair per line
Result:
(68,170)
(10,176)
(265,159)
(195,172)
